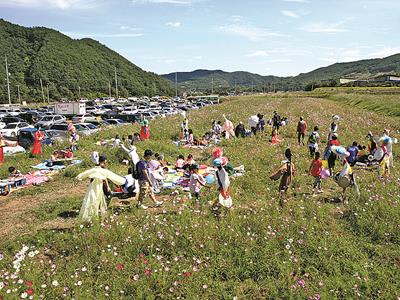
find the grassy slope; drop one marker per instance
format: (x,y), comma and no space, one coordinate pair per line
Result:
(259,250)
(384,101)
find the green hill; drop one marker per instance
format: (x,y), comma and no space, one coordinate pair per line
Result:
(66,65)
(202,79)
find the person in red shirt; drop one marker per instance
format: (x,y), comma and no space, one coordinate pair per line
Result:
(301,131)
(315,170)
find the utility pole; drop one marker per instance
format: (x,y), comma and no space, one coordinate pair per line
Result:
(176,84)
(212,85)
(235,87)
(109,88)
(79,90)
(48,93)
(41,86)
(19,95)
(116,83)
(8,83)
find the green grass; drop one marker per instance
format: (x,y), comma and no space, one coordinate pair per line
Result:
(310,247)
(383,100)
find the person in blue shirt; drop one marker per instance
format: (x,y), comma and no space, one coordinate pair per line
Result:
(353,150)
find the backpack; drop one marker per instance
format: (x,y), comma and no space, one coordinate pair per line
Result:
(313,138)
(134,171)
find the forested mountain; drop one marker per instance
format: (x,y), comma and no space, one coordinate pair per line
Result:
(202,79)
(67,66)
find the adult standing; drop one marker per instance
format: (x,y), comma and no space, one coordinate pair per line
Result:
(301,131)
(145,129)
(261,123)
(2,145)
(228,128)
(333,128)
(253,122)
(38,137)
(184,127)
(332,157)
(276,121)
(143,174)
(94,202)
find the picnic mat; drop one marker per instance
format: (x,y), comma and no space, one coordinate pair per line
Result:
(43,166)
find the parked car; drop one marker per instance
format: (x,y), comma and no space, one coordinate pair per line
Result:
(12,129)
(25,138)
(83,118)
(88,126)
(9,119)
(83,130)
(48,121)
(100,123)
(2,125)
(31,117)
(116,122)
(60,129)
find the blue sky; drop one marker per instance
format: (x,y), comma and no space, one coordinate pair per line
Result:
(269,37)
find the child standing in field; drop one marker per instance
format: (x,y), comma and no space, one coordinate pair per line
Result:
(287,173)
(316,169)
(313,140)
(196,183)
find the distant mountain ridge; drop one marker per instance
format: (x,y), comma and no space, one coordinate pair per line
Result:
(203,79)
(68,68)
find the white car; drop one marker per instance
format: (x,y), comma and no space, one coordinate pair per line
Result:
(83,118)
(88,127)
(50,120)
(12,129)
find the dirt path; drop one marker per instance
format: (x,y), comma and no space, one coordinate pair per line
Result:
(16,212)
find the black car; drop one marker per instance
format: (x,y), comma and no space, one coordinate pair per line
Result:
(10,119)
(31,117)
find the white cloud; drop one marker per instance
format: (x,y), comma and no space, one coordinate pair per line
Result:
(129,28)
(78,35)
(236,18)
(258,53)
(297,1)
(324,28)
(289,14)
(386,51)
(176,2)
(250,32)
(174,24)
(58,4)
(278,60)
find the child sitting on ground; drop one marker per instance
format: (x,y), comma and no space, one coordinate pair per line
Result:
(189,162)
(315,170)
(180,162)
(196,183)
(274,137)
(17,176)
(14,172)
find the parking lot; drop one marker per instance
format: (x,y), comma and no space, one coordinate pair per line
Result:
(18,123)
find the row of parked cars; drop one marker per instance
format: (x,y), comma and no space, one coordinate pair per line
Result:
(20,123)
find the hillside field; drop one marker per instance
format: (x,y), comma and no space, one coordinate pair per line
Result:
(307,248)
